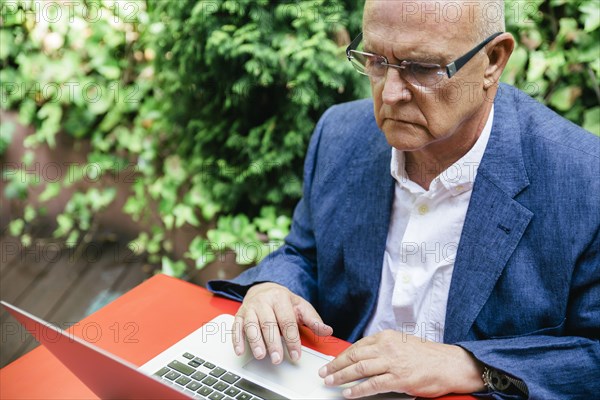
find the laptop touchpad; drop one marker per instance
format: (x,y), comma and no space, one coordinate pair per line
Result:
(301,377)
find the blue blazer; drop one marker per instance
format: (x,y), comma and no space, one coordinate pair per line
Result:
(525,291)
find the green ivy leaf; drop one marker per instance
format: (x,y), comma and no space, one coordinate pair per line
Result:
(591,120)
(16,227)
(174,168)
(172,268)
(138,245)
(183,214)
(51,114)
(26,240)
(222,238)
(6,131)
(111,72)
(591,15)
(515,66)
(29,213)
(564,98)
(7,47)
(72,239)
(537,66)
(51,191)
(246,254)
(201,251)
(65,224)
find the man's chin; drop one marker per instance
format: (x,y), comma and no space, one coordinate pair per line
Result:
(406,139)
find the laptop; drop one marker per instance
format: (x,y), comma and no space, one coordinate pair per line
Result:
(202,365)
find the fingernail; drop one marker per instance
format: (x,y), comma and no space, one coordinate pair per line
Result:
(275,357)
(238,350)
(347,393)
(294,355)
(258,352)
(329,380)
(323,372)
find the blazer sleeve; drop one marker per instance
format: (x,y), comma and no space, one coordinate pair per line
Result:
(562,361)
(294,264)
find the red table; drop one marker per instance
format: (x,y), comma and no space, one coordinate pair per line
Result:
(136,327)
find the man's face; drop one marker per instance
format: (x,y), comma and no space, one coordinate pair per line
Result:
(440,120)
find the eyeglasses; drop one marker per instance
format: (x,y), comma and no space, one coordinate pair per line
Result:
(416,73)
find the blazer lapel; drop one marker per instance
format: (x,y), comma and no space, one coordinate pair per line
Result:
(494,223)
(368,204)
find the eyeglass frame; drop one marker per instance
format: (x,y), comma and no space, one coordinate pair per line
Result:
(451,69)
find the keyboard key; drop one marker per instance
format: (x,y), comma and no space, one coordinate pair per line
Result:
(244,396)
(220,386)
(188,356)
(209,365)
(162,371)
(258,390)
(216,396)
(204,391)
(199,360)
(198,375)
(193,385)
(232,391)
(209,381)
(217,371)
(194,364)
(184,380)
(181,367)
(172,375)
(230,378)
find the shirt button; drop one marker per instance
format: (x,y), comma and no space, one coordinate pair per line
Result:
(405,278)
(460,188)
(423,209)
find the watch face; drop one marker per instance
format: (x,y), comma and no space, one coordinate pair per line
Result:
(498,381)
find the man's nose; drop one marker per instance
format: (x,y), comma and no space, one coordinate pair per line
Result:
(395,87)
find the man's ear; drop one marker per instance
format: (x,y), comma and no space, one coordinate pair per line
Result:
(499,51)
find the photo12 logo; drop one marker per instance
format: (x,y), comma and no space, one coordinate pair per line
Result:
(69,10)
(69,92)
(91,332)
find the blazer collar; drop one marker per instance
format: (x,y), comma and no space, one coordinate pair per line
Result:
(494,223)
(368,204)
(502,161)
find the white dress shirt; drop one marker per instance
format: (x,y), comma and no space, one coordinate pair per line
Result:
(421,245)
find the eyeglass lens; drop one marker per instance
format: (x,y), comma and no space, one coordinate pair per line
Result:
(416,73)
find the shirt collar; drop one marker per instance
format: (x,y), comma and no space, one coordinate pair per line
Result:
(457,178)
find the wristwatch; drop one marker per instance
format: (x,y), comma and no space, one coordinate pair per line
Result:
(496,381)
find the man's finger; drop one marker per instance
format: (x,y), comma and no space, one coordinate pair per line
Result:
(238,335)
(308,316)
(372,386)
(286,318)
(352,355)
(359,370)
(253,334)
(270,335)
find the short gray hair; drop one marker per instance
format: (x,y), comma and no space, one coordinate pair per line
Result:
(490,19)
(484,17)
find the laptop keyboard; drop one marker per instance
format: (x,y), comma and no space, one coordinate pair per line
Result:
(205,380)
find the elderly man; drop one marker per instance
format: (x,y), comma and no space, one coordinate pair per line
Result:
(475,265)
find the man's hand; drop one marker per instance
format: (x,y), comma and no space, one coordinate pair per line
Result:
(392,361)
(268,312)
